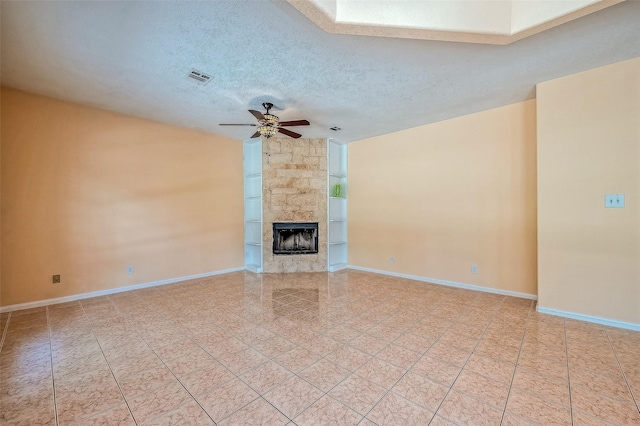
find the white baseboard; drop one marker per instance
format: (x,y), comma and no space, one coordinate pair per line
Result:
(589,318)
(38,303)
(448,283)
(337,267)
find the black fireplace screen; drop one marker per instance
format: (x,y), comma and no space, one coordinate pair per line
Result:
(295,238)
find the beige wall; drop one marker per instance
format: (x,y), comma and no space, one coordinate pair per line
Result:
(589,146)
(87,192)
(448,195)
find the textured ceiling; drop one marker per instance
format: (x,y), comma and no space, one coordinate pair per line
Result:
(133,57)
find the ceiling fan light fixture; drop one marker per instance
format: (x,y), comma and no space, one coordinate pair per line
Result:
(267,130)
(270,119)
(268,125)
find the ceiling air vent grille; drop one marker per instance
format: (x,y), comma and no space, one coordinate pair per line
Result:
(200,77)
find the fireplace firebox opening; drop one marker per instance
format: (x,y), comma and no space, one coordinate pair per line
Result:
(295,238)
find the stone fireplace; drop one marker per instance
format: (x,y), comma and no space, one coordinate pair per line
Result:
(294,190)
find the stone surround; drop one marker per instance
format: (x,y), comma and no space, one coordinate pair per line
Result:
(294,189)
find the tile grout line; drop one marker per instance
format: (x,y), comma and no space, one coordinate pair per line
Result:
(566,350)
(237,376)
(374,356)
(53,378)
(547,377)
(4,331)
(624,375)
(323,357)
(515,367)
(126,318)
(270,359)
(273,359)
(154,351)
(182,332)
(389,343)
(108,365)
(265,400)
(542,374)
(389,315)
(344,322)
(261,395)
(424,354)
(467,361)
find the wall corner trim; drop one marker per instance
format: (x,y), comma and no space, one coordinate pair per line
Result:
(447,283)
(589,318)
(72,298)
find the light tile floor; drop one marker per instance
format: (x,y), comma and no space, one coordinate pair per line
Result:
(312,349)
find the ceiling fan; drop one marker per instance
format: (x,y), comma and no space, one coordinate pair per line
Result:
(269,124)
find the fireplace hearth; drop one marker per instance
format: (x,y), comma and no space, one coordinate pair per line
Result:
(295,238)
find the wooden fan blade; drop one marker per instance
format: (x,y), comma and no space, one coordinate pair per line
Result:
(294,123)
(254,125)
(257,114)
(289,133)
(255,135)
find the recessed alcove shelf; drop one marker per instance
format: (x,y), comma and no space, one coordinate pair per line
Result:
(337,214)
(252,167)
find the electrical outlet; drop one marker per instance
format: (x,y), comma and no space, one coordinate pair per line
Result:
(392,259)
(614,201)
(55,279)
(474,269)
(129,269)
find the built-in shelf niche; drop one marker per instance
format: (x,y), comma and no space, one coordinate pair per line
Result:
(252,169)
(337,206)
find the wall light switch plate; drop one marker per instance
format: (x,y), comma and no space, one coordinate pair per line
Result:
(129,269)
(614,201)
